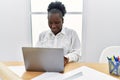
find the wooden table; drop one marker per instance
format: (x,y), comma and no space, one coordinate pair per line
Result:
(102,67)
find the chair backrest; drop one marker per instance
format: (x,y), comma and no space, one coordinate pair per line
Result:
(109,51)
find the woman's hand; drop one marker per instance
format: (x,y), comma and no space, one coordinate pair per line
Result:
(66,60)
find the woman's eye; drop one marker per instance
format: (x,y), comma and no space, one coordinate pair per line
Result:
(57,22)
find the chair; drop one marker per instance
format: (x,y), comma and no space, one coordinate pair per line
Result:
(109,51)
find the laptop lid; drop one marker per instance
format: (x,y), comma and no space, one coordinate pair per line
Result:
(43,59)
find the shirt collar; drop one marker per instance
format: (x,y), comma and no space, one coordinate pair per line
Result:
(62,32)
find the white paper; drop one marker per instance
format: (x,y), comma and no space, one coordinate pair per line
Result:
(19,70)
(72,75)
(49,76)
(82,73)
(91,74)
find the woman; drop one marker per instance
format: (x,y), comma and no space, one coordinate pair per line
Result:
(59,36)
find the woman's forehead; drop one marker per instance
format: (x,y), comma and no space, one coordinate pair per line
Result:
(54,16)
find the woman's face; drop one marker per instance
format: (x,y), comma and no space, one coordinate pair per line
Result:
(55,22)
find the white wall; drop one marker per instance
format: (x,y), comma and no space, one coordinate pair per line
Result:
(15,29)
(101,27)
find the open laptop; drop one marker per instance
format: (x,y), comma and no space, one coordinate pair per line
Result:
(43,59)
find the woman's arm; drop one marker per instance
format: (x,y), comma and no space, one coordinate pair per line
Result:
(74,53)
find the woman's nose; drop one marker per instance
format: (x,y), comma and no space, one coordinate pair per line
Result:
(53,25)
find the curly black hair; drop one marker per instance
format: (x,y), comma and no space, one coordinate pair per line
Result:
(58,6)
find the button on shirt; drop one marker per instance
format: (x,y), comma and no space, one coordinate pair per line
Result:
(67,39)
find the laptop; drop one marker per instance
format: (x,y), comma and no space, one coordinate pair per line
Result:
(43,59)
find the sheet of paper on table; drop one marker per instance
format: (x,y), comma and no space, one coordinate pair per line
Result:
(82,73)
(19,70)
(49,76)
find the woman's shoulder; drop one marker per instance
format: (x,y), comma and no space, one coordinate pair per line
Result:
(69,30)
(42,34)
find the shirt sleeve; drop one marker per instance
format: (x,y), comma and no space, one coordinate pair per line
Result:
(74,53)
(39,39)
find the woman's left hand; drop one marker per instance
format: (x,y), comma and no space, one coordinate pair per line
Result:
(66,60)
